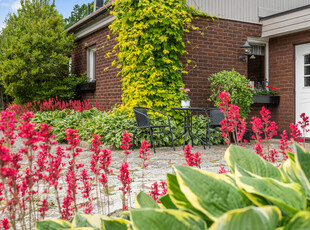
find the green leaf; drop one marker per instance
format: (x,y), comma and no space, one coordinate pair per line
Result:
(254,218)
(176,195)
(52,224)
(302,159)
(159,219)
(87,220)
(290,171)
(250,161)
(301,221)
(289,197)
(143,200)
(167,202)
(116,224)
(210,193)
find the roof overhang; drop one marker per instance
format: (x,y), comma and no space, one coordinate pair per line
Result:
(286,22)
(93,22)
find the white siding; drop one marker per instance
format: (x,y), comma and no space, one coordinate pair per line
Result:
(286,23)
(245,10)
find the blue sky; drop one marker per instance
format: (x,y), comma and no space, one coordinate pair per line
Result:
(63,6)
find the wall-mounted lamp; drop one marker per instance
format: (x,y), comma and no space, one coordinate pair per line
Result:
(247,51)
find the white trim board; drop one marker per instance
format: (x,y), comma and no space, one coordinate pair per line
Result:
(94,27)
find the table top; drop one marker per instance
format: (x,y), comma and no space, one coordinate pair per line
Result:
(191,109)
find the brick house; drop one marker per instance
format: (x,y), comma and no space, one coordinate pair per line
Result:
(277,30)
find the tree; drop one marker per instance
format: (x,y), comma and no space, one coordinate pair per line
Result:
(34,62)
(78,13)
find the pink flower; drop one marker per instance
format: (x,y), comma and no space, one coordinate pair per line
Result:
(191,158)
(222,170)
(143,153)
(126,181)
(125,143)
(154,191)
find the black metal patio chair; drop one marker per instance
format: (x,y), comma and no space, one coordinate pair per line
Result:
(143,122)
(216,116)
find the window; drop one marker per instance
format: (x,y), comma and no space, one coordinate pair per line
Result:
(91,64)
(70,66)
(307,70)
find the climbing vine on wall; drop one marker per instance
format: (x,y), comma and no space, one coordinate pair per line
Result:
(150,42)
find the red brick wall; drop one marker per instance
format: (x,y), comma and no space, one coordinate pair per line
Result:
(218,49)
(282,74)
(108,84)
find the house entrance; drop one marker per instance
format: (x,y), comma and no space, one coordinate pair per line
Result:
(256,66)
(302,81)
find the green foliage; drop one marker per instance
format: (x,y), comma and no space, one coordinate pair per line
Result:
(237,86)
(258,217)
(111,125)
(34,49)
(246,199)
(80,221)
(78,13)
(150,41)
(143,200)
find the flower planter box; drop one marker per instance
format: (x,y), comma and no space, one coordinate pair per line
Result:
(90,87)
(265,99)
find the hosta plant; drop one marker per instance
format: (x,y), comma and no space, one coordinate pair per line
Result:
(256,195)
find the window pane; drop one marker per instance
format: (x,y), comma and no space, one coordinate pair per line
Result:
(307,59)
(94,65)
(307,70)
(91,63)
(307,81)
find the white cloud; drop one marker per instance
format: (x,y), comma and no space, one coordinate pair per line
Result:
(16,5)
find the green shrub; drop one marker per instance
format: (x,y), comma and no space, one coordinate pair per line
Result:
(33,47)
(257,195)
(111,125)
(237,86)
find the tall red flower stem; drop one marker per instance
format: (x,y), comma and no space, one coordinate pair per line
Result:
(143,154)
(125,180)
(304,125)
(232,125)
(30,135)
(73,140)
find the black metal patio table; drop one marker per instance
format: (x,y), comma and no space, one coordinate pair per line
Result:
(188,125)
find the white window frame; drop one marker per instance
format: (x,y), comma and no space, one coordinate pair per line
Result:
(265,42)
(70,66)
(91,64)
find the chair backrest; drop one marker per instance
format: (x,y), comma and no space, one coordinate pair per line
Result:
(141,115)
(216,116)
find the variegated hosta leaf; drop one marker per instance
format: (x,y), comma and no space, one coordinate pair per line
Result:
(87,220)
(210,193)
(143,200)
(254,218)
(53,224)
(160,219)
(290,198)
(290,171)
(81,228)
(251,162)
(116,224)
(166,202)
(176,195)
(301,221)
(302,159)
